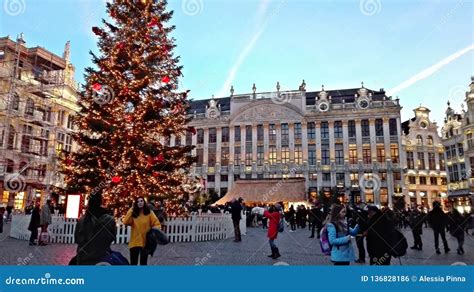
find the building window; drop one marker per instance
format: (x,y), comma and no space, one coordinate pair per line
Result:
(421,161)
(224,177)
(365,128)
(379,127)
(260,133)
(225,156)
(410,160)
(448,153)
(298,155)
(419,140)
(422,180)
(434,181)
(285,155)
(471,160)
(461,149)
(200,136)
(354,178)
(272,155)
(15,102)
(339,149)
(412,180)
(271,132)
(248,154)
(470,141)
(352,129)
(313,176)
(200,157)
(367,155)
(311,130)
(393,127)
(353,154)
(260,155)
(30,107)
(284,134)
(26,138)
(340,178)
(189,138)
(430,141)
(70,122)
(177,141)
(312,155)
(237,133)
(397,175)
(442,164)
(338,129)
(453,151)
(324,130)
(237,155)
(211,178)
(325,158)
(212,135)
(463,171)
(11,138)
(225,135)
(297,131)
(326,176)
(68,143)
(432,161)
(455,173)
(394,153)
(381,154)
(211,157)
(248,133)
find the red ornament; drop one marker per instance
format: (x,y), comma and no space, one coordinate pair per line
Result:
(192,130)
(147,37)
(155,174)
(97,87)
(160,158)
(129,118)
(165,79)
(120,46)
(124,91)
(116,179)
(150,160)
(68,162)
(113,13)
(153,22)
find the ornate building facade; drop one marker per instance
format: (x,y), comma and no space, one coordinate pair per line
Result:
(38,99)
(349,139)
(425,175)
(457,136)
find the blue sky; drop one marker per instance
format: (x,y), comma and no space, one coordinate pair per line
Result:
(336,43)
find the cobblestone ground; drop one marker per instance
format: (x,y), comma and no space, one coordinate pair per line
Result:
(296,249)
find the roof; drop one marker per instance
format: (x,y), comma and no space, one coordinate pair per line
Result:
(266,190)
(337,96)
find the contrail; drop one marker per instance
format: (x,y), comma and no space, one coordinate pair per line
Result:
(429,71)
(260,28)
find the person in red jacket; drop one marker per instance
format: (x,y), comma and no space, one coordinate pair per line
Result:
(273,215)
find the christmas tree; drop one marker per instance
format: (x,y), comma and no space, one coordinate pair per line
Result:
(129,111)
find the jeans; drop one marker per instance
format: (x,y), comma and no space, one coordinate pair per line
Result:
(437,233)
(134,253)
(238,236)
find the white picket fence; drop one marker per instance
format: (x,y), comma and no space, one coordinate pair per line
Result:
(203,227)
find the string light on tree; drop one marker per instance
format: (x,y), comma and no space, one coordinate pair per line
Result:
(120,150)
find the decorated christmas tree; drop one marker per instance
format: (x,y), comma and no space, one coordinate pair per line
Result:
(129,111)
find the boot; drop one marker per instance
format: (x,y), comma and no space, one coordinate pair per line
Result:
(277,254)
(273,254)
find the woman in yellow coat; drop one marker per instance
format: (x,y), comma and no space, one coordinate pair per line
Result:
(141,219)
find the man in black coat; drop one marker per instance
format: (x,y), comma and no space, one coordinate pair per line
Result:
(379,233)
(236,211)
(416,224)
(360,217)
(438,221)
(34,224)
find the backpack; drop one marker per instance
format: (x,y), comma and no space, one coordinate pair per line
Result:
(326,247)
(398,244)
(281,225)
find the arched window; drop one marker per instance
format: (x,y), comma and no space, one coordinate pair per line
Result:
(15,102)
(430,141)
(419,140)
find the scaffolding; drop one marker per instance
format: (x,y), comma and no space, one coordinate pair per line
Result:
(33,84)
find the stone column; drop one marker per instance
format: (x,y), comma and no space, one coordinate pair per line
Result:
(360,158)
(291,142)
